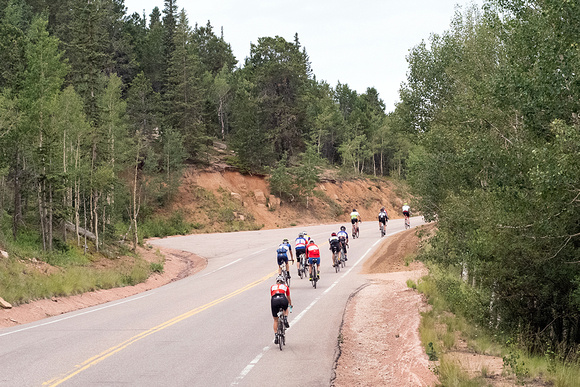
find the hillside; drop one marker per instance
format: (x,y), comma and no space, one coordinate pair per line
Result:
(226,200)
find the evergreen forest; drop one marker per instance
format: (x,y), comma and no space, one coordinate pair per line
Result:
(100,111)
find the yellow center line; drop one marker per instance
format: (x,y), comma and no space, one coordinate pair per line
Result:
(113,350)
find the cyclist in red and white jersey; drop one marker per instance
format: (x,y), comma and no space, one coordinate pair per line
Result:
(280,294)
(313,255)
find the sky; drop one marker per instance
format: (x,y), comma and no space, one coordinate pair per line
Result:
(360,43)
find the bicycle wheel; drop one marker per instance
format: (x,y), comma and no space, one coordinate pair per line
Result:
(280,332)
(314,275)
(287,276)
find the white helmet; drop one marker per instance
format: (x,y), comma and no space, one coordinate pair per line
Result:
(280,279)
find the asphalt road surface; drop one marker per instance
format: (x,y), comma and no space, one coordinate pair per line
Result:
(211,329)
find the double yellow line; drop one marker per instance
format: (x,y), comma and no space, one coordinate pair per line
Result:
(113,350)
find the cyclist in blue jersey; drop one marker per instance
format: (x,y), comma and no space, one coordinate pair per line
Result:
(343,238)
(300,247)
(282,255)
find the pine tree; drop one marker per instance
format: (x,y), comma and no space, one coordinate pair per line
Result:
(44,78)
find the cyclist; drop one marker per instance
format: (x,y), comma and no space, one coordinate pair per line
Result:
(343,238)
(282,255)
(300,247)
(334,243)
(406,211)
(306,236)
(354,219)
(280,294)
(383,218)
(313,255)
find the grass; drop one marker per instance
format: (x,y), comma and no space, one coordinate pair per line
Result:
(20,282)
(29,273)
(439,330)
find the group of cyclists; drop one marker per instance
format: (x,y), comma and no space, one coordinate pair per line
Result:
(308,254)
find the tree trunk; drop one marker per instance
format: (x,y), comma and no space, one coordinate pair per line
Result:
(50,218)
(17,216)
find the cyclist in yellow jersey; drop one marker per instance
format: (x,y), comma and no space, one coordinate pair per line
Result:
(355,218)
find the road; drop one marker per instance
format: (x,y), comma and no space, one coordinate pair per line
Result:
(211,329)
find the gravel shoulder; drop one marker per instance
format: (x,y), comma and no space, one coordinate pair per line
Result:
(379,342)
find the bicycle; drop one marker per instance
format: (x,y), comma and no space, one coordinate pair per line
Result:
(382,228)
(302,265)
(314,276)
(286,274)
(335,261)
(281,332)
(343,257)
(355,230)
(407,222)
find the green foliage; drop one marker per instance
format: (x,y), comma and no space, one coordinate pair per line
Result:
(431,353)
(516,365)
(160,227)
(156,267)
(282,181)
(494,160)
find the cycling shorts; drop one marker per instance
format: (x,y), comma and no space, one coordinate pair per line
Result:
(383,220)
(354,220)
(300,250)
(335,247)
(405,213)
(315,260)
(282,259)
(278,301)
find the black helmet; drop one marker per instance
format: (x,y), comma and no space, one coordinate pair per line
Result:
(285,240)
(342,228)
(354,210)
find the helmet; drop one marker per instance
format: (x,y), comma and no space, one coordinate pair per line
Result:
(342,228)
(382,208)
(311,240)
(304,233)
(300,235)
(354,210)
(333,234)
(280,278)
(405,204)
(285,240)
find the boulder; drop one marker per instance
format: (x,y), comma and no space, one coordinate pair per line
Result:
(260,197)
(236,196)
(273,201)
(4,304)
(4,254)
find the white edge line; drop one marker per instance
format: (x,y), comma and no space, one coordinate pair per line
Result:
(75,315)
